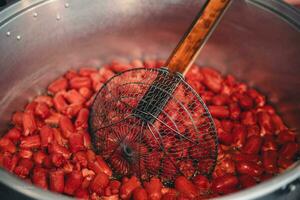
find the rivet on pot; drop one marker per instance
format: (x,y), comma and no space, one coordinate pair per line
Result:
(7,33)
(67,5)
(18,37)
(58,17)
(35,14)
(292,188)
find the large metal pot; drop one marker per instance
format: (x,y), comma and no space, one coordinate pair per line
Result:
(258,41)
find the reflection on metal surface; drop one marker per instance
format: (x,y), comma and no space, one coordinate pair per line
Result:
(100,30)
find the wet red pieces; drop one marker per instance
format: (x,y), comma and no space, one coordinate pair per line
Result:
(49,143)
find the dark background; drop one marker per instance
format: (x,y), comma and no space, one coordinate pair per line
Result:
(2,2)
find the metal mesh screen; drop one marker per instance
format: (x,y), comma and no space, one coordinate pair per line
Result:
(149,122)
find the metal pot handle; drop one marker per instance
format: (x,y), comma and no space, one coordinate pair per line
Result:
(281,9)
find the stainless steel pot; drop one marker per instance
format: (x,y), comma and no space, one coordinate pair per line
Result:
(258,41)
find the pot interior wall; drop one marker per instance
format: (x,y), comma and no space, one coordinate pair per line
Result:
(251,43)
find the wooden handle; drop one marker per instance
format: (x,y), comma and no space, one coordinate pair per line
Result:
(186,51)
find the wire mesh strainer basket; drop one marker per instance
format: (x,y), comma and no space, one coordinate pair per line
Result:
(180,140)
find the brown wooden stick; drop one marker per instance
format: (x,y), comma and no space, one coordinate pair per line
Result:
(188,48)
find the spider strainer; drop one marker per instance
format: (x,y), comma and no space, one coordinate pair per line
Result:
(150,122)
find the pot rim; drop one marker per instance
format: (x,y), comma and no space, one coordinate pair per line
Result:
(280,9)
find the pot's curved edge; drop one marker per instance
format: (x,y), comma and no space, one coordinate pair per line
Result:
(15,9)
(288,14)
(283,10)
